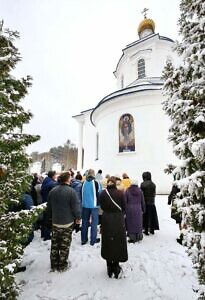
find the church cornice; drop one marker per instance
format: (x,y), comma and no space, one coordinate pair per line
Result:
(82,113)
(140,41)
(140,52)
(127,91)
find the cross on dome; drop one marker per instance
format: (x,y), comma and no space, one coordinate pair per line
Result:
(145,12)
(147,26)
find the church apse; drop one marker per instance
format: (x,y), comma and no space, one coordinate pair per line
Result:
(126,133)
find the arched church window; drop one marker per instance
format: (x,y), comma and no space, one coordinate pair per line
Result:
(122,82)
(141,68)
(126,133)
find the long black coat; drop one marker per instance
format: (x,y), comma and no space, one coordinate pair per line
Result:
(150,218)
(114,242)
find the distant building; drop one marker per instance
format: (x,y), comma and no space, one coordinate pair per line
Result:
(127,130)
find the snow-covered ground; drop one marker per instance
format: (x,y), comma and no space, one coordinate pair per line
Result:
(157,268)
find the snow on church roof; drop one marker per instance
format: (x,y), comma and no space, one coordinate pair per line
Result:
(146,84)
(139,85)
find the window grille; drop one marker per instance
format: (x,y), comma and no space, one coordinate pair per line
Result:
(141,68)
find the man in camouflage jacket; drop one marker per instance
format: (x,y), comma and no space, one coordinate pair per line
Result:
(63,207)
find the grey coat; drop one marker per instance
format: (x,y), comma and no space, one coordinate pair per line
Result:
(63,205)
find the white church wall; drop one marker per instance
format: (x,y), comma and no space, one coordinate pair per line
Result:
(128,65)
(152,150)
(155,53)
(162,51)
(89,143)
(126,72)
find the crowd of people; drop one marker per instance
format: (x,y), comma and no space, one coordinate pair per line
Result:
(118,208)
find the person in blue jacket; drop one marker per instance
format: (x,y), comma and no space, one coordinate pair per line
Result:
(48,183)
(27,203)
(90,207)
(76,184)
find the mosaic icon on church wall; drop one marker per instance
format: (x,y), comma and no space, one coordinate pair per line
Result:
(126,133)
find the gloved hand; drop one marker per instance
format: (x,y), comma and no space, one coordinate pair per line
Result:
(77,227)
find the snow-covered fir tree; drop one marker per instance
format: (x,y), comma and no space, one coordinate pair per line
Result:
(14,163)
(184,89)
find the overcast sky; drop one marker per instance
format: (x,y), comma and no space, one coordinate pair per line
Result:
(71,48)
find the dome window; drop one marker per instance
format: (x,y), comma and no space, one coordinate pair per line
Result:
(122,82)
(141,68)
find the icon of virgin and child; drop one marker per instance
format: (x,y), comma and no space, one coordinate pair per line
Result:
(126,133)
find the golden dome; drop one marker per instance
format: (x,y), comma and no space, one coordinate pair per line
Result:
(146,24)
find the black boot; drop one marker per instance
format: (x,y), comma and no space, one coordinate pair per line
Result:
(109,269)
(116,269)
(20,269)
(179,240)
(131,241)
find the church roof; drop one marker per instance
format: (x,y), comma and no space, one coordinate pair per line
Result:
(146,24)
(141,41)
(147,38)
(139,85)
(82,113)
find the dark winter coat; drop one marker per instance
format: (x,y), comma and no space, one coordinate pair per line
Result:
(135,207)
(27,201)
(150,218)
(149,188)
(63,205)
(114,243)
(34,195)
(47,185)
(77,186)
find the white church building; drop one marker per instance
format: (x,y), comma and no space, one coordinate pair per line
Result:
(127,131)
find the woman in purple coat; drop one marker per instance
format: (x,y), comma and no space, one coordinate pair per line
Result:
(135,207)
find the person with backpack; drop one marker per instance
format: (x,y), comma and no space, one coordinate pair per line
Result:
(90,207)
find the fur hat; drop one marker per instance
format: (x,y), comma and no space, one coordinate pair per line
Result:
(91,173)
(125,176)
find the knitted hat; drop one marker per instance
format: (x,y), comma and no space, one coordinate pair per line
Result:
(91,173)
(134,182)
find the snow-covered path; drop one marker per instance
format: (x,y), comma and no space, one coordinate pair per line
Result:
(158,268)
